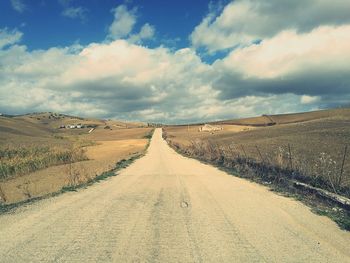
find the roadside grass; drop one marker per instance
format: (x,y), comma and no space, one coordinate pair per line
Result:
(278,179)
(315,152)
(341,217)
(124,163)
(4,208)
(26,159)
(149,135)
(75,185)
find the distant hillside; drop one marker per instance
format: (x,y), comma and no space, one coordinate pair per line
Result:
(16,126)
(38,126)
(270,120)
(55,120)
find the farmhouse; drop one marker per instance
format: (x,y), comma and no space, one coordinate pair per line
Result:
(209,128)
(73,126)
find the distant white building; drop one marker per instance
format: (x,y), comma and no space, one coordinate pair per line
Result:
(75,126)
(209,128)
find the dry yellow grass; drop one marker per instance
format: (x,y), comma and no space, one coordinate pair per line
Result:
(43,173)
(266,120)
(102,157)
(317,141)
(101,134)
(186,134)
(112,149)
(23,160)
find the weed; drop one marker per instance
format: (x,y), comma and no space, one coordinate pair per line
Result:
(23,160)
(234,160)
(2,196)
(149,135)
(341,217)
(4,208)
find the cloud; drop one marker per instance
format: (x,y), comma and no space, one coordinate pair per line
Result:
(9,37)
(243,22)
(313,64)
(123,26)
(305,99)
(123,23)
(18,5)
(292,68)
(290,52)
(147,32)
(75,12)
(103,80)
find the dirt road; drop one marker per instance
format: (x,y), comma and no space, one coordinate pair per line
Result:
(167,208)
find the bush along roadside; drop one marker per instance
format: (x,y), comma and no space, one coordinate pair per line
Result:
(283,181)
(149,135)
(75,185)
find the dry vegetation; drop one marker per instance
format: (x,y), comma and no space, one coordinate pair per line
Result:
(23,160)
(308,147)
(39,158)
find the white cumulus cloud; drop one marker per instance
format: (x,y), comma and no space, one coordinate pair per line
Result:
(9,37)
(324,48)
(123,26)
(123,23)
(147,31)
(244,21)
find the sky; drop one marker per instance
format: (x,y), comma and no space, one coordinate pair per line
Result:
(173,61)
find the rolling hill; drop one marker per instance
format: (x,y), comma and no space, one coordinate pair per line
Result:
(44,127)
(270,120)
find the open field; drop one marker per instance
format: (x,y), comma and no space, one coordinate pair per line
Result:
(316,141)
(38,158)
(55,120)
(269,120)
